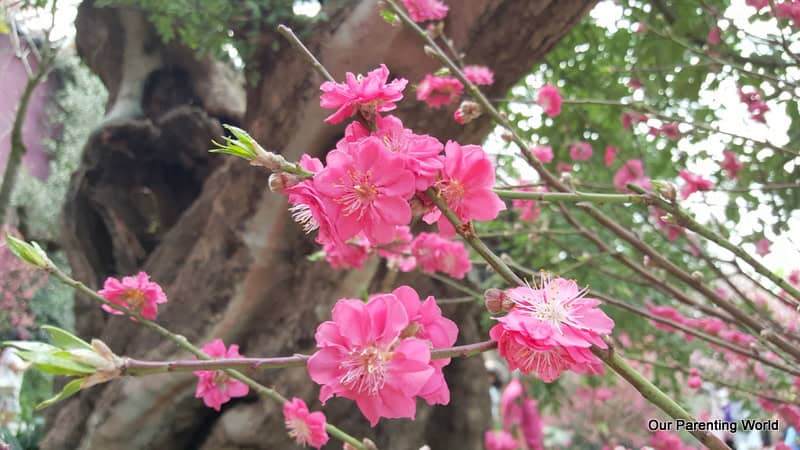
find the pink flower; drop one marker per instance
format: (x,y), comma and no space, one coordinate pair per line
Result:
(435,253)
(714,36)
(528,209)
(368,189)
(673,231)
(397,255)
(465,183)
(215,386)
(794,279)
(347,255)
(363,356)
(550,329)
(305,427)
(755,104)
(580,151)
(510,409)
(308,208)
(424,10)
(640,27)
(611,155)
(632,172)
(670,131)
(419,153)
(763,247)
(137,294)
(427,323)
(757,4)
(630,118)
(500,440)
(543,153)
(480,75)
(563,167)
(694,382)
(789,10)
(439,91)
(549,99)
(635,83)
(731,164)
(367,95)
(557,313)
(694,183)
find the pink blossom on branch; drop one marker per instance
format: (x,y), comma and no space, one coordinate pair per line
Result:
(544,153)
(632,172)
(362,355)
(427,323)
(550,329)
(367,189)
(424,10)
(436,254)
(305,427)
(439,91)
(500,440)
(367,95)
(694,183)
(580,151)
(137,294)
(420,153)
(550,100)
(731,164)
(480,75)
(789,10)
(714,36)
(216,387)
(610,155)
(755,104)
(466,184)
(763,247)
(631,118)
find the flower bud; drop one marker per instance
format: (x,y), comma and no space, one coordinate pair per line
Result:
(697,276)
(278,181)
(31,253)
(506,136)
(497,301)
(467,112)
(667,190)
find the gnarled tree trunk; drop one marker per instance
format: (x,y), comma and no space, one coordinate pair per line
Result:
(148,196)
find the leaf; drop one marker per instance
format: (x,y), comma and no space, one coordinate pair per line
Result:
(56,363)
(69,390)
(64,339)
(390,17)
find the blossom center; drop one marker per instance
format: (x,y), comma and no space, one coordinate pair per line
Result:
(452,191)
(298,429)
(134,298)
(366,370)
(360,195)
(220,380)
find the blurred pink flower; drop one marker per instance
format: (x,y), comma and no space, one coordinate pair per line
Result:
(137,294)
(216,387)
(305,427)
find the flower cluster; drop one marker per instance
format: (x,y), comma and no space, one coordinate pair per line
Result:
(694,183)
(550,329)
(360,199)
(379,354)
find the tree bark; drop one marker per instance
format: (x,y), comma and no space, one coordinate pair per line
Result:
(148,196)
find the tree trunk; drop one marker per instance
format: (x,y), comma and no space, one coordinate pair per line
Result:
(148,196)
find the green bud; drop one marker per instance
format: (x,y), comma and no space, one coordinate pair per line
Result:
(31,253)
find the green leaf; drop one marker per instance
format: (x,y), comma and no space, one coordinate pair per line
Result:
(64,339)
(69,390)
(57,363)
(390,17)
(316,256)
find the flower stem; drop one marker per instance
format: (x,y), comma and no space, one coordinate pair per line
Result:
(573,197)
